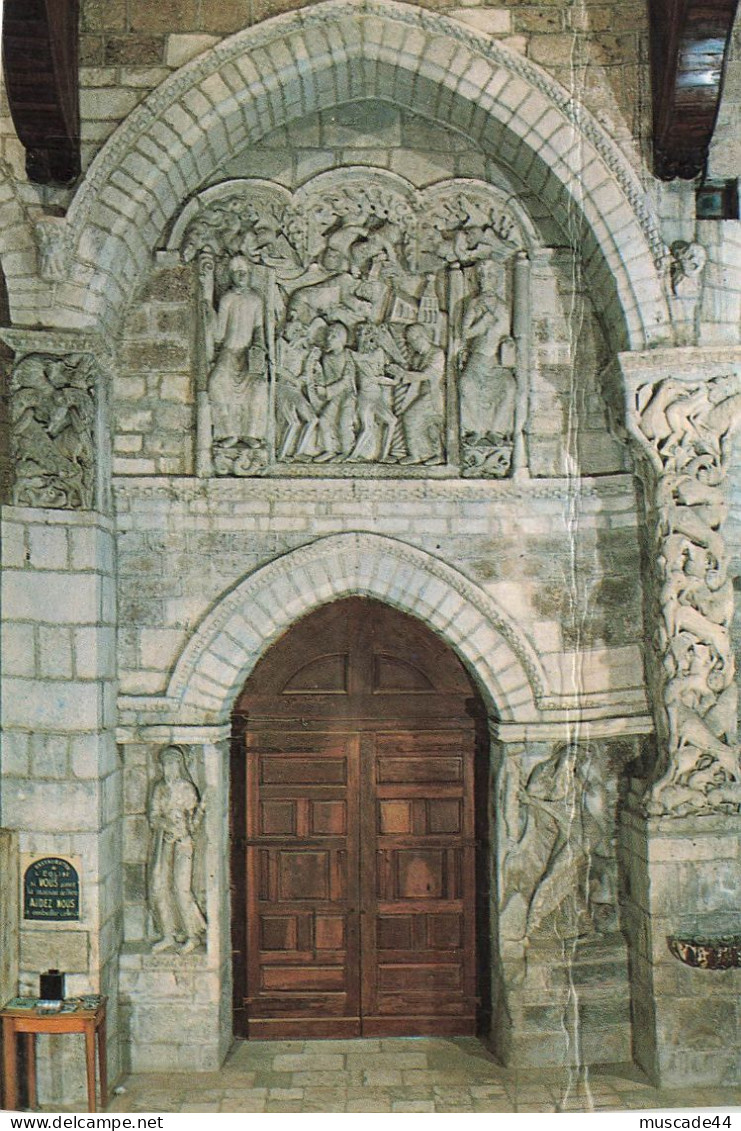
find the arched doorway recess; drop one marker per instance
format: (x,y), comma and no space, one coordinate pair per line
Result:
(354,832)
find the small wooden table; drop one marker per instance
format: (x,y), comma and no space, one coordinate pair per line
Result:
(81,1019)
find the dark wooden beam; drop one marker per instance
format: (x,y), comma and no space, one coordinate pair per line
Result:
(40,64)
(689,47)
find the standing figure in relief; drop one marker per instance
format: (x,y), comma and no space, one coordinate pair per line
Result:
(237,383)
(488,390)
(421,402)
(298,358)
(374,410)
(333,396)
(175,813)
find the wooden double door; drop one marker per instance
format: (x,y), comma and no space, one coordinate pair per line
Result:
(354,838)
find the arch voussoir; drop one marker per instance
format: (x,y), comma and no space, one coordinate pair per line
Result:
(238,630)
(341,50)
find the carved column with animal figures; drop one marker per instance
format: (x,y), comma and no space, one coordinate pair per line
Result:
(681,412)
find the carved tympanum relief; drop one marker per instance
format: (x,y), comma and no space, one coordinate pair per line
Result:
(175,813)
(53,431)
(359,322)
(559,874)
(684,427)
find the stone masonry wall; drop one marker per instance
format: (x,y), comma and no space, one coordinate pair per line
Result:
(595,49)
(61,774)
(127,47)
(564,565)
(682,881)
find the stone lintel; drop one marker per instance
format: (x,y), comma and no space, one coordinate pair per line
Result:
(26,341)
(572,730)
(186,735)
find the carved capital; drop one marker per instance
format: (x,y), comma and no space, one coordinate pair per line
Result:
(54,413)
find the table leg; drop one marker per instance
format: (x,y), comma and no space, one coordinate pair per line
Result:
(103,1063)
(31,1070)
(10,1065)
(90,1063)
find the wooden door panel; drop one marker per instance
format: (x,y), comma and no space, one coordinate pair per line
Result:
(418,948)
(359,847)
(303,908)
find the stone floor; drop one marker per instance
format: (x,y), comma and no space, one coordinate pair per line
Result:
(399,1074)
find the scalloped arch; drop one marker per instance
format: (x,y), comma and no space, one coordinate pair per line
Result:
(224,649)
(348,50)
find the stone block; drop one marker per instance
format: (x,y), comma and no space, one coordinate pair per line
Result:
(309,1062)
(18,652)
(55,652)
(147,77)
(374,124)
(13,545)
(108,103)
(48,547)
(695,1023)
(10,912)
(55,949)
(50,705)
(491,21)
(51,807)
(50,597)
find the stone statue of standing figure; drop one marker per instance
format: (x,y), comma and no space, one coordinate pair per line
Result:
(175,813)
(238,380)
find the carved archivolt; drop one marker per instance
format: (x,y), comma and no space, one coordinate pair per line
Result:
(359,322)
(53,431)
(684,427)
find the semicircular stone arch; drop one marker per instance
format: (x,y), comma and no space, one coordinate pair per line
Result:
(231,639)
(339,51)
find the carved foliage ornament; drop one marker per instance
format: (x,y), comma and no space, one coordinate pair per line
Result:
(53,431)
(357,323)
(685,431)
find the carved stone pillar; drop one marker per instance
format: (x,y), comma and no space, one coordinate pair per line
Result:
(680,837)
(61,773)
(681,408)
(560,970)
(177,911)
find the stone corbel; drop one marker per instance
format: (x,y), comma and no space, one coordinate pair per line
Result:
(60,440)
(53,245)
(681,407)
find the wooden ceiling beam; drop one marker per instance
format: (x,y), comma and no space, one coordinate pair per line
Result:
(40,64)
(690,40)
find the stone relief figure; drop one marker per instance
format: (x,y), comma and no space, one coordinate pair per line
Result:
(333,393)
(685,428)
(238,380)
(374,408)
(52,242)
(298,356)
(53,423)
(420,403)
(686,268)
(487,382)
(175,813)
(559,874)
(308,341)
